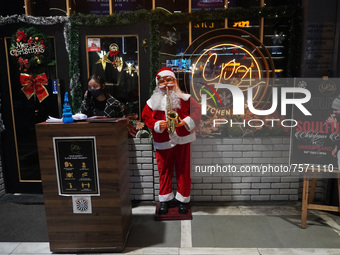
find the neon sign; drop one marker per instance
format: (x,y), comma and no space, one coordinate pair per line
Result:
(243,75)
(204,25)
(224,56)
(241,24)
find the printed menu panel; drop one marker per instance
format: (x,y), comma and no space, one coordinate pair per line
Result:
(315,139)
(76,165)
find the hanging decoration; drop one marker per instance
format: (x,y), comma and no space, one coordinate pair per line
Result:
(35,21)
(129,68)
(103,58)
(28,47)
(278,38)
(114,49)
(34,85)
(170,38)
(118,63)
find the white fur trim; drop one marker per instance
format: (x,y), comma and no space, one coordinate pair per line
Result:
(190,124)
(165,73)
(182,199)
(157,128)
(175,139)
(157,106)
(182,139)
(166,198)
(185,96)
(164,145)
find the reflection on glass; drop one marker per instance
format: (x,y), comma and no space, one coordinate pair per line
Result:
(207,4)
(116,59)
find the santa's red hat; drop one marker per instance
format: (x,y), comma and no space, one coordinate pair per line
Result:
(164,71)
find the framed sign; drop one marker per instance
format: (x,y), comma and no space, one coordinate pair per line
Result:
(76,166)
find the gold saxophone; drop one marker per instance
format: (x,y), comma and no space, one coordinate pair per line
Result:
(171,114)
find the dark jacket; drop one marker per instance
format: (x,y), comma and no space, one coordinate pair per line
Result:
(113,108)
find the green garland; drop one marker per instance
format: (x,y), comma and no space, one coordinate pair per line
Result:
(74,72)
(159,17)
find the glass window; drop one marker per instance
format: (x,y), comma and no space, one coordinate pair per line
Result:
(48,8)
(243,3)
(276,41)
(252,26)
(115,58)
(200,28)
(132,5)
(174,42)
(181,6)
(206,4)
(12,7)
(281,2)
(92,7)
(165,4)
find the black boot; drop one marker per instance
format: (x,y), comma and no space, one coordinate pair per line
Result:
(163,208)
(183,208)
(173,203)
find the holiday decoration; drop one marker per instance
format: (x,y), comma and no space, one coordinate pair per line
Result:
(158,17)
(114,49)
(67,111)
(170,38)
(129,68)
(103,59)
(34,85)
(278,38)
(118,63)
(28,46)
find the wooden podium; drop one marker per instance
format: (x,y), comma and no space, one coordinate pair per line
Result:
(106,227)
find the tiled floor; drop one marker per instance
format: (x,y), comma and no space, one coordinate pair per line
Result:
(234,230)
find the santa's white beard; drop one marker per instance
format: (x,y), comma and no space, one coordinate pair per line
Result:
(158,99)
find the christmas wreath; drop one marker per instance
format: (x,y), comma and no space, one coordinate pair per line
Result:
(28,46)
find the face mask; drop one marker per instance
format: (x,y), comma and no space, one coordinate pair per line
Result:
(95,92)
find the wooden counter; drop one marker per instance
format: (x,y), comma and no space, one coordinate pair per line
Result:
(106,228)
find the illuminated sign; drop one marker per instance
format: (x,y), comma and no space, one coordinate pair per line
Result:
(204,25)
(230,57)
(241,24)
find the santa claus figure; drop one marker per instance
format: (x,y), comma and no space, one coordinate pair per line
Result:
(173,147)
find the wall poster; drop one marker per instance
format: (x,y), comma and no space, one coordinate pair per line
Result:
(76,166)
(315,138)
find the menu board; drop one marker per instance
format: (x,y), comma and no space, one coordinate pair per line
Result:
(76,165)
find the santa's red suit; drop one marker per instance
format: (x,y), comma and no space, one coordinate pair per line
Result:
(174,150)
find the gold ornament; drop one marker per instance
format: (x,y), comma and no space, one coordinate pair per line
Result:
(103,59)
(118,63)
(129,68)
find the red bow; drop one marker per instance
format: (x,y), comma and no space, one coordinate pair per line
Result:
(23,64)
(34,85)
